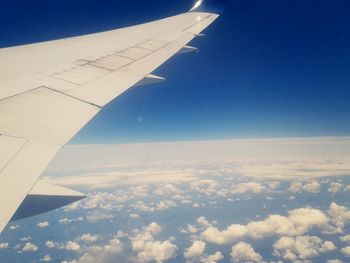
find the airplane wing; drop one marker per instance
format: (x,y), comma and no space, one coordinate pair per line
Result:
(50,90)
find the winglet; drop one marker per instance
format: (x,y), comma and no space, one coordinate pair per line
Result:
(149,79)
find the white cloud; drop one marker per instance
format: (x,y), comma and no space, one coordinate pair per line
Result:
(88,238)
(334,261)
(46,258)
(340,215)
(195,252)
(250,187)
(4,245)
(134,216)
(203,222)
(335,187)
(167,189)
(165,204)
(243,252)
(191,229)
(217,256)
(72,245)
(310,187)
(298,222)
(157,251)
(139,205)
(68,221)
(14,227)
(301,247)
(147,248)
(112,252)
(43,224)
(95,217)
(30,247)
(345,238)
(346,251)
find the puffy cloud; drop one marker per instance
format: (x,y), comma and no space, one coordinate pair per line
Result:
(14,227)
(301,247)
(147,248)
(68,221)
(134,216)
(203,222)
(195,251)
(103,254)
(46,258)
(345,238)
(191,229)
(167,189)
(139,205)
(217,256)
(243,252)
(43,224)
(340,215)
(72,245)
(88,238)
(157,251)
(165,204)
(310,187)
(346,251)
(298,222)
(4,245)
(334,261)
(30,247)
(335,187)
(250,187)
(95,217)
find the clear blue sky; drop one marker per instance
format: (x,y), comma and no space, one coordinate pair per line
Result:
(265,68)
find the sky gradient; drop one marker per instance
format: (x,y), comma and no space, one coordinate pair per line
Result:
(265,69)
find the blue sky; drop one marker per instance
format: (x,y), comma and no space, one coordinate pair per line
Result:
(265,69)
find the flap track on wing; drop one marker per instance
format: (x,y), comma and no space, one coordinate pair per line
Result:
(187,49)
(45,197)
(149,79)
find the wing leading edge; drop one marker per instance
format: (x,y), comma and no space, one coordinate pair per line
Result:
(45,100)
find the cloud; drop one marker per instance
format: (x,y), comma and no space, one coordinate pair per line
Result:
(46,258)
(250,187)
(72,246)
(243,252)
(298,222)
(43,224)
(109,253)
(191,229)
(69,245)
(334,261)
(345,238)
(340,215)
(195,251)
(134,216)
(14,227)
(29,247)
(301,247)
(165,204)
(335,187)
(95,217)
(88,238)
(217,256)
(72,220)
(147,248)
(167,189)
(4,245)
(309,187)
(346,251)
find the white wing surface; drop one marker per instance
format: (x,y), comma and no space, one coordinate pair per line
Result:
(50,90)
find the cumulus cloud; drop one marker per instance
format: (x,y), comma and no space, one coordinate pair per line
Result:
(112,252)
(29,247)
(88,238)
(298,222)
(217,256)
(147,248)
(68,221)
(69,245)
(301,247)
(95,217)
(243,252)
(46,258)
(167,189)
(250,187)
(4,245)
(335,187)
(43,224)
(195,251)
(346,251)
(340,215)
(310,187)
